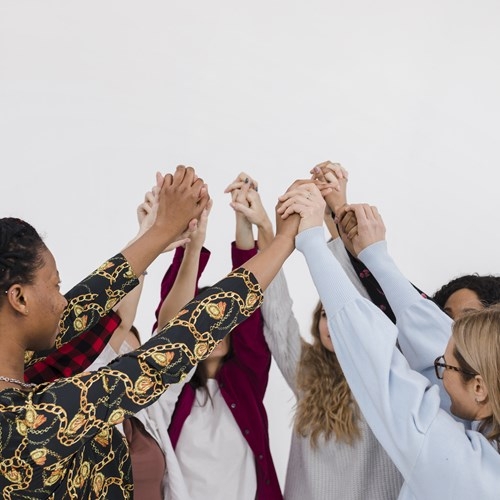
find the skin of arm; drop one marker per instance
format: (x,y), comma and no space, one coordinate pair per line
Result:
(247,204)
(184,286)
(181,199)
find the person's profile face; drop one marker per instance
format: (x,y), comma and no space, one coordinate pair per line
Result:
(461,302)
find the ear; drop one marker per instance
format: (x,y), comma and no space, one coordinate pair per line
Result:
(480,390)
(16,297)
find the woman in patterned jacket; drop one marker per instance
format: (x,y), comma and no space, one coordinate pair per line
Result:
(58,439)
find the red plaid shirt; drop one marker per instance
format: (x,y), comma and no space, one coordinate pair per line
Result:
(75,356)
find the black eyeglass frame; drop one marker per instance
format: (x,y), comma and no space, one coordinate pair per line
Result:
(438,364)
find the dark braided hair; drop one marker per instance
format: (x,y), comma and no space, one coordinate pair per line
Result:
(486,287)
(20,252)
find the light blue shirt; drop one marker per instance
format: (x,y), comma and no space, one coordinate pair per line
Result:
(438,458)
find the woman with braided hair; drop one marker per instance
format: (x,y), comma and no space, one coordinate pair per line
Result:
(58,439)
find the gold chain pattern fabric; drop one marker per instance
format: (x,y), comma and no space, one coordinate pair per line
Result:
(59,440)
(91,300)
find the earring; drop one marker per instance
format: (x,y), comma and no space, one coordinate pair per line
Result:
(477,401)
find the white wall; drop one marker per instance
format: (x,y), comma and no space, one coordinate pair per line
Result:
(96,96)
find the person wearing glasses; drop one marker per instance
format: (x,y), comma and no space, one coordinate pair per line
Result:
(437,456)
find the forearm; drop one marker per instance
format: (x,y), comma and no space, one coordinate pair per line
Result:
(265,234)
(243,233)
(281,329)
(397,403)
(183,289)
(266,264)
(94,297)
(424,330)
(142,251)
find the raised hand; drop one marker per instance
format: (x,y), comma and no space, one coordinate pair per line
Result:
(198,235)
(182,198)
(146,215)
(336,176)
(247,204)
(305,199)
(242,179)
(369,229)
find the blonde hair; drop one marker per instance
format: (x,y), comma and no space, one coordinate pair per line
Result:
(477,349)
(325,406)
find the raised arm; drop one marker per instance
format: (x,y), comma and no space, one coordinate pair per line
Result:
(246,202)
(400,406)
(424,330)
(281,329)
(186,279)
(248,343)
(88,321)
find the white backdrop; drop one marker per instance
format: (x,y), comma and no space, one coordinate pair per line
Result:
(96,96)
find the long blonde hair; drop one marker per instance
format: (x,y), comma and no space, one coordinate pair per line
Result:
(325,406)
(477,349)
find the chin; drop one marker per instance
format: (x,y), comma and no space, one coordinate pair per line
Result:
(458,413)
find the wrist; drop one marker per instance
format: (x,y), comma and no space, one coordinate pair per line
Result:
(336,208)
(284,240)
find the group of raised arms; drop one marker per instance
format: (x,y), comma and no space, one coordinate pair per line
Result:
(397,392)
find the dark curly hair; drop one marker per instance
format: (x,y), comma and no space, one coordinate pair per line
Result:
(486,287)
(21,250)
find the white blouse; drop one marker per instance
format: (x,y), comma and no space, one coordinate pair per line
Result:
(215,459)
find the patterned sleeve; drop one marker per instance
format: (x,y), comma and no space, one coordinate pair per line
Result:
(90,300)
(60,417)
(249,346)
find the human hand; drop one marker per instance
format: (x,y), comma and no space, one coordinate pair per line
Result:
(182,198)
(242,179)
(146,211)
(247,202)
(305,199)
(369,226)
(199,233)
(337,176)
(286,227)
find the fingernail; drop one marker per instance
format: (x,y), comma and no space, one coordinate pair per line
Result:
(246,180)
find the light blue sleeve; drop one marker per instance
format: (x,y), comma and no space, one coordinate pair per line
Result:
(424,330)
(436,455)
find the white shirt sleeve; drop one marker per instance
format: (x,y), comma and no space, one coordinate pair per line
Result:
(281,329)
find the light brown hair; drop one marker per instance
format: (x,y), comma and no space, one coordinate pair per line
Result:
(326,406)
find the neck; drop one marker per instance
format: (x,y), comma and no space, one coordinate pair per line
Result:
(212,367)
(11,359)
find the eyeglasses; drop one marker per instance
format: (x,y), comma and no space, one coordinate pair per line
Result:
(440,367)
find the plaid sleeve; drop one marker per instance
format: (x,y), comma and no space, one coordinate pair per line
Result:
(88,302)
(75,356)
